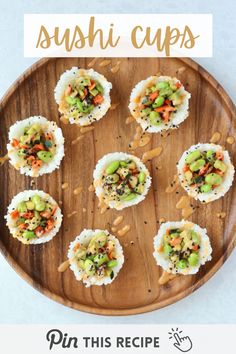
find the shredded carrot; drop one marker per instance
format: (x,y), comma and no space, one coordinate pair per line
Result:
(219,155)
(186,168)
(204,169)
(22,226)
(93,84)
(98,99)
(167,101)
(165,108)
(28,215)
(14,214)
(77,246)
(50,225)
(37,164)
(166,116)
(153,95)
(15,143)
(195,247)
(38,147)
(175,241)
(178,85)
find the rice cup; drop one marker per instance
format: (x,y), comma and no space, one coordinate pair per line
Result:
(218,191)
(83,240)
(118,202)
(164,261)
(17,131)
(156,125)
(71,112)
(25,196)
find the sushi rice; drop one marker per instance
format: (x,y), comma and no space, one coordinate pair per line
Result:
(17,130)
(204,251)
(99,111)
(23,197)
(217,192)
(101,166)
(176,117)
(84,239)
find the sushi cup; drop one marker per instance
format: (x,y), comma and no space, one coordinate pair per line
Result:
(83,96)
(181,247)
(95,257)
(121,180)
(33,217)
(36,146)
(159,103)
(205,171)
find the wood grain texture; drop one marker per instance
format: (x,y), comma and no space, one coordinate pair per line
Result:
(136,289)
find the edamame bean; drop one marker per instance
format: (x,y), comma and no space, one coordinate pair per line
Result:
(129,197)
(28,235)
(141,177)
(192,156)
(113,263)
(213,179)
(159,101)
(45,156)
(112,167)
(193,259)
(220,165)
(196,165)
(182,264)
(206,188)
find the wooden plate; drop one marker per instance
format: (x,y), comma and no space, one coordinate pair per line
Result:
(136,289)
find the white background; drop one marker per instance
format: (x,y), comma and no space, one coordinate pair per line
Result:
(212,303)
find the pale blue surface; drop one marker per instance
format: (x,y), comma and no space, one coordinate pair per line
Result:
(212,303)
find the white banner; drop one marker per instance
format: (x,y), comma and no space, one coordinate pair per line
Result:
(107,339)
(118,35)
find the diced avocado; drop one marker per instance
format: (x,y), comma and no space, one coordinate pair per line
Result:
(100,258)
(158,101)
(188,176)
(113,263)
(165,92)
(99,88)
(167,249)
(94,92)
(192,156)
(195,237)
(193,259)
(35,128)
(155,118)
(71,100)
(176,98)
(197,165)
(21,153)
(129,197)
(30,205)
(220,165)
(81,264)
(139,189)
(144,112)
(182,264)
(39,203)
(100,239)
(210,155)
(162,85)
(45,156)
(28,235)
(89,267)
(24,138)
(22,208)
(205,188)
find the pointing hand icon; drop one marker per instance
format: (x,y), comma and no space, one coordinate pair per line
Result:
(184,344)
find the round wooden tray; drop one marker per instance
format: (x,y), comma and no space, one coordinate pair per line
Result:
(136,289)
